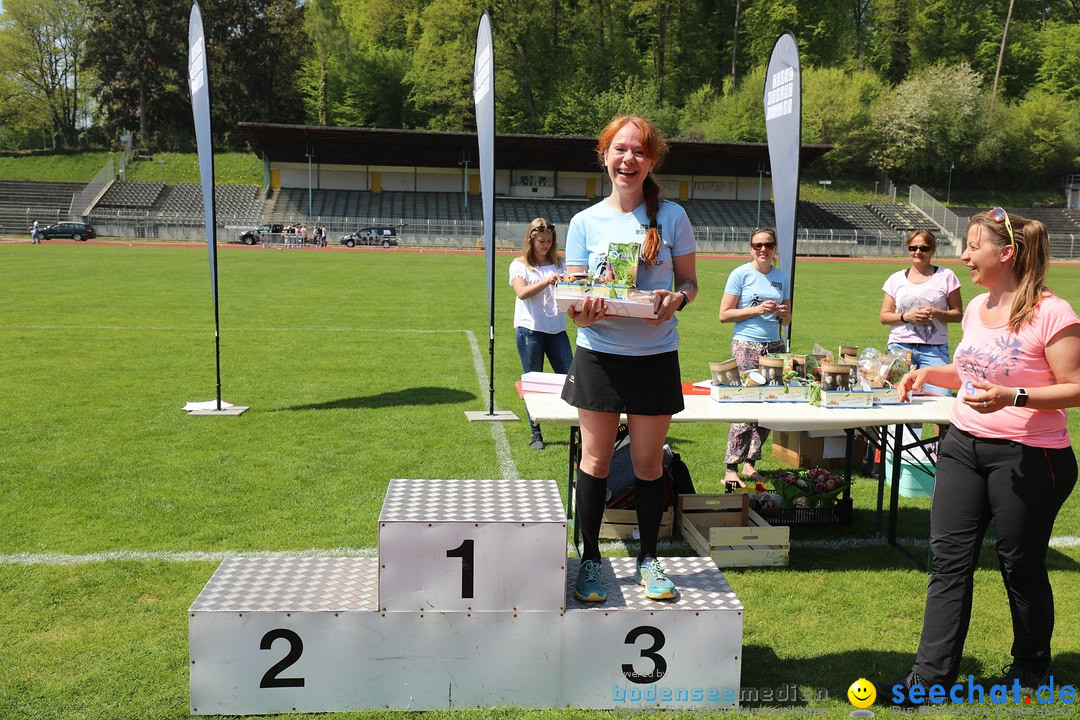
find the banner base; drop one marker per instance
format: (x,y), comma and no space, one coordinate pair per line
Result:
(484,415)
(232,410)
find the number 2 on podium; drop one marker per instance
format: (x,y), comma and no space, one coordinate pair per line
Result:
(465,552)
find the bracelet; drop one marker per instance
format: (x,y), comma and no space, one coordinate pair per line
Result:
(902,318)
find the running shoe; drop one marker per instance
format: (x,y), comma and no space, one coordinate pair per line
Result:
(651,575)
(589,587)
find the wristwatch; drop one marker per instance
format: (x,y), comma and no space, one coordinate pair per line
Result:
(685,299)
(1020,399)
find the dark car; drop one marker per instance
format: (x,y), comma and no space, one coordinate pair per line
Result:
(268,232)
(75,230)
(385,236)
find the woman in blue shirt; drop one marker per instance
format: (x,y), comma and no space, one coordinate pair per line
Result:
(758,300)
(626,364)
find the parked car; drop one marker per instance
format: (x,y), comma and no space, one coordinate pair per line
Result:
(385,236)
(77,231)
(254,237)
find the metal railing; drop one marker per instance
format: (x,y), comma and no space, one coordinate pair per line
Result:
(950,223)
(83,201)
(469,234)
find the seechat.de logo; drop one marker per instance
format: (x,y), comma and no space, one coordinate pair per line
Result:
(862,694)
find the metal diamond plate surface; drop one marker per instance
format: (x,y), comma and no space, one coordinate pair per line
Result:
(699,584)
(302,584)
(474,501)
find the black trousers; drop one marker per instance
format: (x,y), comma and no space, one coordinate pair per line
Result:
(1020,488)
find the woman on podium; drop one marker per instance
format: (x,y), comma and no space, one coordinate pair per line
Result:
(628,365)
(1006,458)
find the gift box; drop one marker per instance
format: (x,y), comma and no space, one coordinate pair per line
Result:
(618,300)
(847,399)
(736,393)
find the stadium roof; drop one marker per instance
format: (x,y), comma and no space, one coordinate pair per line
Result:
(425,148)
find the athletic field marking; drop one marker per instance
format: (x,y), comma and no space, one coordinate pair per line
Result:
(136,328)
(507,466)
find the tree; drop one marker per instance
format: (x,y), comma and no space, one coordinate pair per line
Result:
(442,67)
(255,53)
(837,107)
(42,52)
(139,50)
(320,74)
(1042,137)
(1059,68)
(931,119)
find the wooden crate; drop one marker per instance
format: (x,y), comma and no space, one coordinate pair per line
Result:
(724,528)
(622,524)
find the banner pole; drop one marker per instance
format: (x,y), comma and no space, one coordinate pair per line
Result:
(484,101)
(199,85)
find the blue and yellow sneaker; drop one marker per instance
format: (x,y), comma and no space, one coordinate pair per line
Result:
(651,575)
(588,587)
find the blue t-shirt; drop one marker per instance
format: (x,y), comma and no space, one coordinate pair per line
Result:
(587,240)
(753,288)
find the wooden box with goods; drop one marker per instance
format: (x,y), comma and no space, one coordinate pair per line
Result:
(724,528)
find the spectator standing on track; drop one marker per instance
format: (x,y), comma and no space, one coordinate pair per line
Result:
(35,233)
(624,364)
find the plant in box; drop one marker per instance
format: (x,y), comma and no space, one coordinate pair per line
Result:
(820,488)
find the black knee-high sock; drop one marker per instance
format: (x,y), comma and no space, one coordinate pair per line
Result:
(591,497)
(650,498)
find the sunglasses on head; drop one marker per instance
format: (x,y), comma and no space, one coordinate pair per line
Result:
(763,246)
(919,248)
(999,215)
(543,228)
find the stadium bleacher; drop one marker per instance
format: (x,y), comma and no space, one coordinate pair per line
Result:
(22,202)
(131,195)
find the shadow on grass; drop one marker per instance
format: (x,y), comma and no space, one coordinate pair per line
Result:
(828,677)
(396,398)
(796,680)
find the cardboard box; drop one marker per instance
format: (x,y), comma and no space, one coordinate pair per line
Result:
(629,302)
(780,393)
(622,524)
(847,399)
(885,396)
(724,528)
(737,393)
(815,448)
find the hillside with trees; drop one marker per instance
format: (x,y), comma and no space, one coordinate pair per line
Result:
(906,87)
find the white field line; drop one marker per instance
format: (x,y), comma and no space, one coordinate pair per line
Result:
(231,329)
(507,466)
(611,548)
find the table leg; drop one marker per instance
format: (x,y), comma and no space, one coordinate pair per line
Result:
(571,476)
(881,444)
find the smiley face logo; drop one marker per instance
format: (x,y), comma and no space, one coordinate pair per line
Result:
(862,693)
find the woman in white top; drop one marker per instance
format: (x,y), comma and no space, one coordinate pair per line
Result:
(539,325)
(918,303)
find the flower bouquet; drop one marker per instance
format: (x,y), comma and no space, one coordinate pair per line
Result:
(820,488)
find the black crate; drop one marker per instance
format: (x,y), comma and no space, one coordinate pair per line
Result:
(838,514)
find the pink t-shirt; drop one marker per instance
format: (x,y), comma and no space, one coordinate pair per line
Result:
(999,356)
(908,296)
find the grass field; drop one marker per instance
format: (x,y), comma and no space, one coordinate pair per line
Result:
(115,507)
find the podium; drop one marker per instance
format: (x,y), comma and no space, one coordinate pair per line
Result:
(469,604)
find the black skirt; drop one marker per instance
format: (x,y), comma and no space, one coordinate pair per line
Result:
(631,384)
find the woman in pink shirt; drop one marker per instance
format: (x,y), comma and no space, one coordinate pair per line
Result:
(1007,456)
